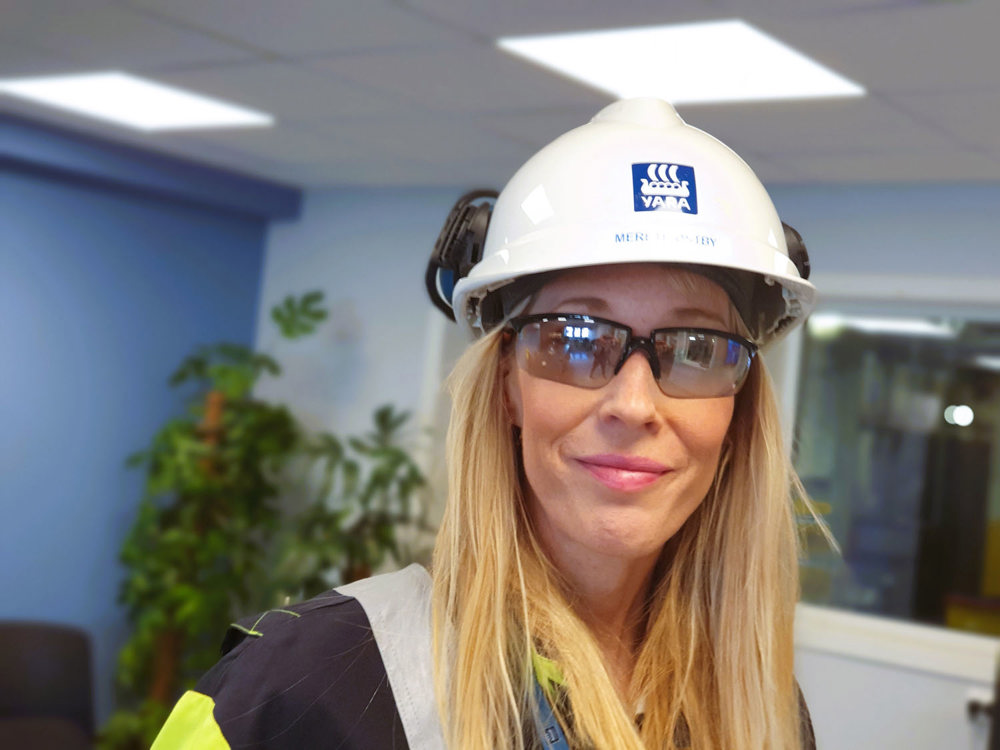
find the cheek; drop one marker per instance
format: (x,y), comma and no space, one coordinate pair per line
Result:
(549,415)
(704,428)
(540,406)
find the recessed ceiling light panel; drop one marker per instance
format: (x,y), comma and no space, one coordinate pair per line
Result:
(134,102)
(697,63)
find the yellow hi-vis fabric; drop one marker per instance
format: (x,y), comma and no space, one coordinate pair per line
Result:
(547,673)
(191,726)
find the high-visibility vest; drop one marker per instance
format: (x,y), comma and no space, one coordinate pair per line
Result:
(349,669)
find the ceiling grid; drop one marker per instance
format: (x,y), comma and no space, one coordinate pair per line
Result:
(413,92)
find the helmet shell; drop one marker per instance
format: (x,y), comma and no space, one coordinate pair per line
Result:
(636,184)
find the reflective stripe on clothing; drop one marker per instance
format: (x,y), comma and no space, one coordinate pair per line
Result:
(191,726)
(398,606)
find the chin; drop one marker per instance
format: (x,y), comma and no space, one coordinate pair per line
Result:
(629,542)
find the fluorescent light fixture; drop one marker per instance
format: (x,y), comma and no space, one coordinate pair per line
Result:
(695,63)
(987,361)
(134,102)
(827,325)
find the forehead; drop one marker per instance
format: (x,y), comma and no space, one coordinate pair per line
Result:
(626,288)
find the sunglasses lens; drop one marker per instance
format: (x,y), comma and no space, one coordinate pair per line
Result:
(578,351)
(696,364)
(570,351)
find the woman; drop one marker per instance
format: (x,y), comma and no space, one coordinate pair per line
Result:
(616,567)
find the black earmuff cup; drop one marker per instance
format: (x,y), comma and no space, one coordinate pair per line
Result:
(459,247)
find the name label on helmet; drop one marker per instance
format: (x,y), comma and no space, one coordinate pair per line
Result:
(661,186)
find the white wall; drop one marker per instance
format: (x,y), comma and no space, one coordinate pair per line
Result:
(873,683)
(367,250)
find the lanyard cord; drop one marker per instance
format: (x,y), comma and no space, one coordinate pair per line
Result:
(550,734)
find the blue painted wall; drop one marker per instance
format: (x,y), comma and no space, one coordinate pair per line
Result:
(104,287)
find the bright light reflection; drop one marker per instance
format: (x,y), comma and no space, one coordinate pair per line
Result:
(961,415)
(829,324)
(135,102)
(682,63)
(825,325)
(988,361)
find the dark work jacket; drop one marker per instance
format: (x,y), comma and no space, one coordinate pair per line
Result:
(348,670)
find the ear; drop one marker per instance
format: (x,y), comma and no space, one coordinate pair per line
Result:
(512,402)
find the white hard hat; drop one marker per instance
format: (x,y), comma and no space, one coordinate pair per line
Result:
(637,184)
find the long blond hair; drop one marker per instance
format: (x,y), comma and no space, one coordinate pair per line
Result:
(715,665)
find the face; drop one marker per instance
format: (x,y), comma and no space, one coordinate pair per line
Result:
(615,471)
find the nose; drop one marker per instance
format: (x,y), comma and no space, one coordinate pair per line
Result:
(632,396)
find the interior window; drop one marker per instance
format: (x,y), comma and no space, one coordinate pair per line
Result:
(898,439)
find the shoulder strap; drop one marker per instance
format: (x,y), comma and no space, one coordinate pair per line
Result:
(398,606)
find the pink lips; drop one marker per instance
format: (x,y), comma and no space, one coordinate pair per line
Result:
(626,473)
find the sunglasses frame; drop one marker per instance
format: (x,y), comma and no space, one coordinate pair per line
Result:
(633,343)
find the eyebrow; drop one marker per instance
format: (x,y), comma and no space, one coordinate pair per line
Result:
(591,302)
(702,312)
(597,306)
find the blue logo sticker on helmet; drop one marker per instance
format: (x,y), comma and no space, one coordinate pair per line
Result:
(661,186)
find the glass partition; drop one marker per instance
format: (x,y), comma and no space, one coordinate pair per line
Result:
(897,437)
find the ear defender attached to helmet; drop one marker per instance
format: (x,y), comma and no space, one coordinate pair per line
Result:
(797,252)
(458,247)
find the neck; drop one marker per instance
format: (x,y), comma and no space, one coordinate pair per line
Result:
(609,596)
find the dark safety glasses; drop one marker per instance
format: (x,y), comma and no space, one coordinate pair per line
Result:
(586,351)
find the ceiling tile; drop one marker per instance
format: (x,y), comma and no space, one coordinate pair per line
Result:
(970,118)
(399,172)
(490,18)
(906,47)
(365,151)
(291,92)
(307,27)
(945,165)
(102,35)
(773,170)
(831,125)
(473,78)
(284,143)
(430,138)
(20,59)
(537,128)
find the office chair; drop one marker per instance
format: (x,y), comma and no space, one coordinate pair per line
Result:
(46,698)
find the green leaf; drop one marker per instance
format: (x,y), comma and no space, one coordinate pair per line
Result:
(359,445)
(296,317)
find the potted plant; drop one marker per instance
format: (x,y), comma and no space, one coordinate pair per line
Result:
(212,542)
